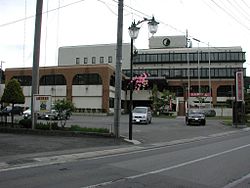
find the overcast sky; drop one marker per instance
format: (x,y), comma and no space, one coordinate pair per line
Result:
(87,22)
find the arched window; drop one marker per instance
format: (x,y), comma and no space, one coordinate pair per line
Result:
(52,79)
(24,80)
(112,81)
(87,79)
(225,91)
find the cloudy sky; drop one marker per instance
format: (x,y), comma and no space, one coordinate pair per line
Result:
(87,22)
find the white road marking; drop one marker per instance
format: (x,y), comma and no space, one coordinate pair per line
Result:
(169,168)
(233,184)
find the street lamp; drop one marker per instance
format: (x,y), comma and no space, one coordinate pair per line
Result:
(1,75)
(133,33)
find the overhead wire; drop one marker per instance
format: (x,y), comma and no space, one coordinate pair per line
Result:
(32,16)
(135,11)
(245,4)
(239,9)
(24,30)
(230,15)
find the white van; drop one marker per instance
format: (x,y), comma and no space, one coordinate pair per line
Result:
(142,114)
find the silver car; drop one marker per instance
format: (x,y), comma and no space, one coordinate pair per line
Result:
(142,114)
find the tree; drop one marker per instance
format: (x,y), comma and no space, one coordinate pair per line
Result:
(65,108)
(166,99)
(161,99)
(155,99)
(13,94)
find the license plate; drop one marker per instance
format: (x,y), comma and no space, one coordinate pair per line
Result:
(196,118)
(137,120)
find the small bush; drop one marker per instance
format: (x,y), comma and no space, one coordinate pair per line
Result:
(88,129)
(25,123)
(47,126)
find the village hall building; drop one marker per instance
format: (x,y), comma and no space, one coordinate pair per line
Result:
(86,74)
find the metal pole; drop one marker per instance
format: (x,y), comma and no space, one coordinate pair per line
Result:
(117,107)
(36,56)
(209,76)
(1,75)
(199,81)
(188,73)
(131,92)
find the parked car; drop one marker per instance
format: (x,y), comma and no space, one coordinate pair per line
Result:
(209,112)
(52,115)
(142,114)
(8,110)
(27,114)
(195,116)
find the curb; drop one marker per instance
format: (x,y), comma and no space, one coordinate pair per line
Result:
(53,132)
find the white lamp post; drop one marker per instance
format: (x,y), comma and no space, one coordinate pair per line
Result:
(133,33)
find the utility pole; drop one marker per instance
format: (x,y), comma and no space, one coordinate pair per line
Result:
(117,107)
(36,56)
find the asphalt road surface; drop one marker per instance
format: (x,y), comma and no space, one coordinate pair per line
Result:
(213,162)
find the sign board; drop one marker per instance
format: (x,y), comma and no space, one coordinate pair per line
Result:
(199,94)
(239,83)
(42,103)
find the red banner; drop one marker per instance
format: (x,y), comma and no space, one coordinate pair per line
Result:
(199,94)
(239,86)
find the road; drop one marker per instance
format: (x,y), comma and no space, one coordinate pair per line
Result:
(212,162)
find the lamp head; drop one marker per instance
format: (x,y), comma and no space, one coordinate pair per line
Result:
(133,31)
(153,26)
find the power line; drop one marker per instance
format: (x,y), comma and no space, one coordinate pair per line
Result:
(138,13)
(245,4)
(48,11)
(229,14)
(239,9)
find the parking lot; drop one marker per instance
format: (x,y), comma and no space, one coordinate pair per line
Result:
(160,130)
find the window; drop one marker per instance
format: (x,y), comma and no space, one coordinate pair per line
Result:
(110,59)
(93,60)
(53,79)
(224,91)
(204,72)
(111,102)
(77,61)
(87,79)
(177,57)
(178,73)
(85,60)
(24,80)
(101,59)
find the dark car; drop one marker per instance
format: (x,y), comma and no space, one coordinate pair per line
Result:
(195,117)
(8,110)
(209,112)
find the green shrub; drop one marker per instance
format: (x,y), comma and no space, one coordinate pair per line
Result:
(47,126)
(88,129)
(25,123)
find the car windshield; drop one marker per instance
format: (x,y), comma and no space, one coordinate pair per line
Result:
(139,110)
(196,111)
